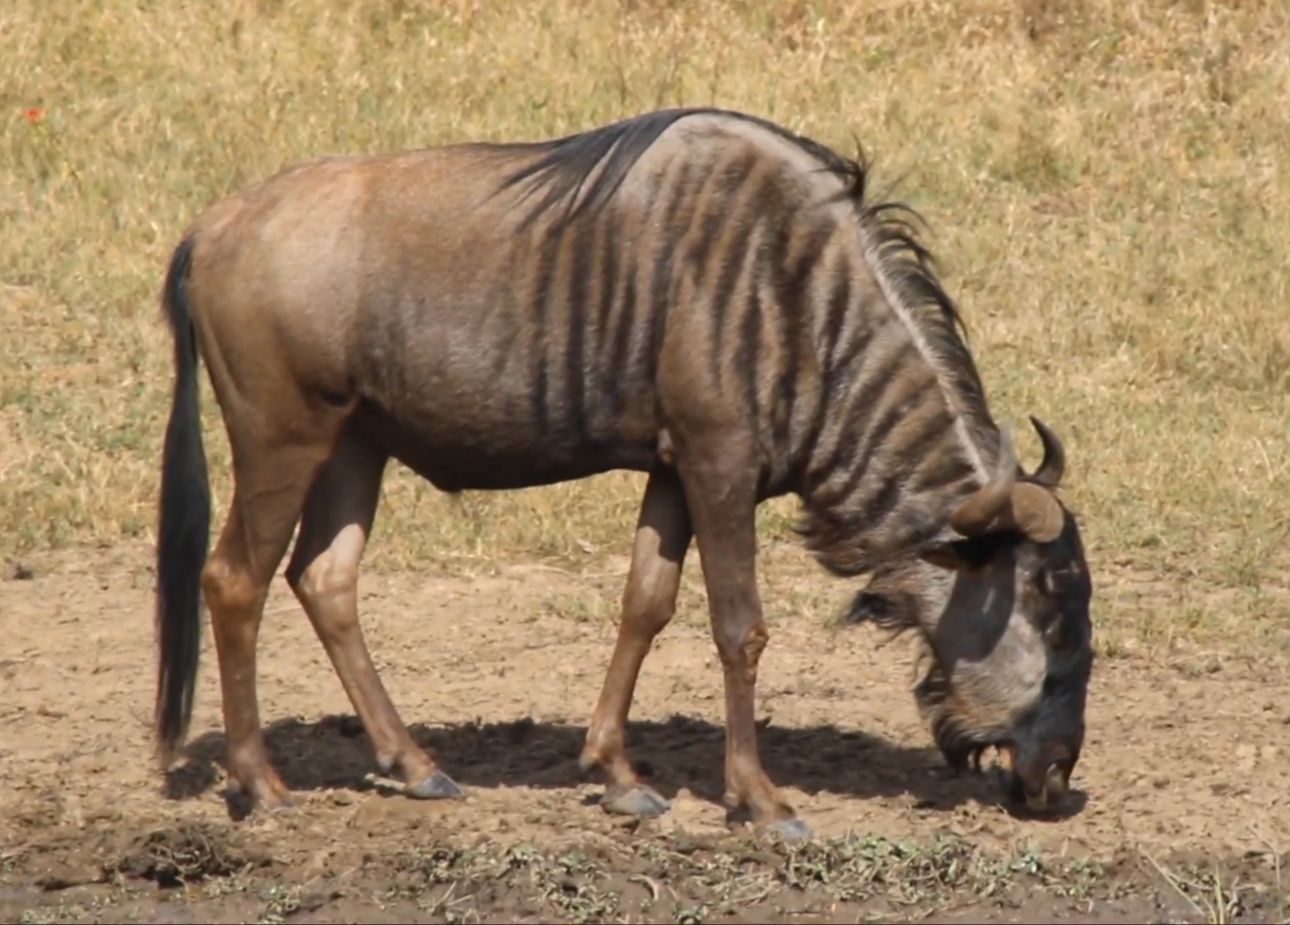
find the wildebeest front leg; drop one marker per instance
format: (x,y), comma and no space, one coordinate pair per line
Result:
(722,504)
(649,600)
(323,572)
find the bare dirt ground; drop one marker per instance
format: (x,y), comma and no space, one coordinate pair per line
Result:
(1183,810)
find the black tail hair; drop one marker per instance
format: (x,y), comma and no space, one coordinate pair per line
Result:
(183,538)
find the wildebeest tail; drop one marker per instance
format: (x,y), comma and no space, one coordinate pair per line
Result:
(185,514)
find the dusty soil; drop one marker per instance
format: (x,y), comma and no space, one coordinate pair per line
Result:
(1182,814)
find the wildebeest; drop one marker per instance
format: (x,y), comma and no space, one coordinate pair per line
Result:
(699,295)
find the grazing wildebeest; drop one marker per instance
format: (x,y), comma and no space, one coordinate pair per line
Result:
(694,294)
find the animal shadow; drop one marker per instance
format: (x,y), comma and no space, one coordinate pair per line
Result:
(334,753)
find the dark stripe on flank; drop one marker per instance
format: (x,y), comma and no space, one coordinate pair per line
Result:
(737,264)
(575,316)
(598,374)
(547,255)
(506,296)
(748,355)
(607,264)
(624,320)
(661,279)
(540,412)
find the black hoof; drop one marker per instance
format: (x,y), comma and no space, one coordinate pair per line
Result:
(635,801)
(792,829)
(438,786)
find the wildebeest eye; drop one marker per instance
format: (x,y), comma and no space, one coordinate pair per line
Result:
(890,611)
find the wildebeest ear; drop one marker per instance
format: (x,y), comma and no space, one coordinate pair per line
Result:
(956,555)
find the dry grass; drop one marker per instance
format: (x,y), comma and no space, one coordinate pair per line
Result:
(1107,182)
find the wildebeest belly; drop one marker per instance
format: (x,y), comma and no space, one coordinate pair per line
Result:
(474,444)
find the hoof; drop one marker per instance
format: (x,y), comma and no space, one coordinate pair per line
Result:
(438,786)
(791,829)
(634,801)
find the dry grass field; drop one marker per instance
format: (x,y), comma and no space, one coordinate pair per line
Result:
(1107,185)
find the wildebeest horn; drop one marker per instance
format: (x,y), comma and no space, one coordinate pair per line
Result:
(1006,503)
(1049,473)
(1036,513)
(984,510)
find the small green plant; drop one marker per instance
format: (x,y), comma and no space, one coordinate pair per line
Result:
(283,901)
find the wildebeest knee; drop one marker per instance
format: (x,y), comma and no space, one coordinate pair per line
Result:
(322,578)
(227,588)
(649,605)
(740,647)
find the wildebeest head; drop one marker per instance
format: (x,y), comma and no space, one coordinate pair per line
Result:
(1003,612)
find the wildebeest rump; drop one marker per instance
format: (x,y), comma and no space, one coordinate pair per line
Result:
(694,294)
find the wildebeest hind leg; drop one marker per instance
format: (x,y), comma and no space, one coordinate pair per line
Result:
(649,600)
(267,500)
(323,573)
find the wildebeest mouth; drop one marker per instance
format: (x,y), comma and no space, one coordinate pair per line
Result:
(963,756)
(1041,794)
(1047,796)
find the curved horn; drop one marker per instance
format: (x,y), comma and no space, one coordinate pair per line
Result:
(1049,473)
(988,507)
(1036,512)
